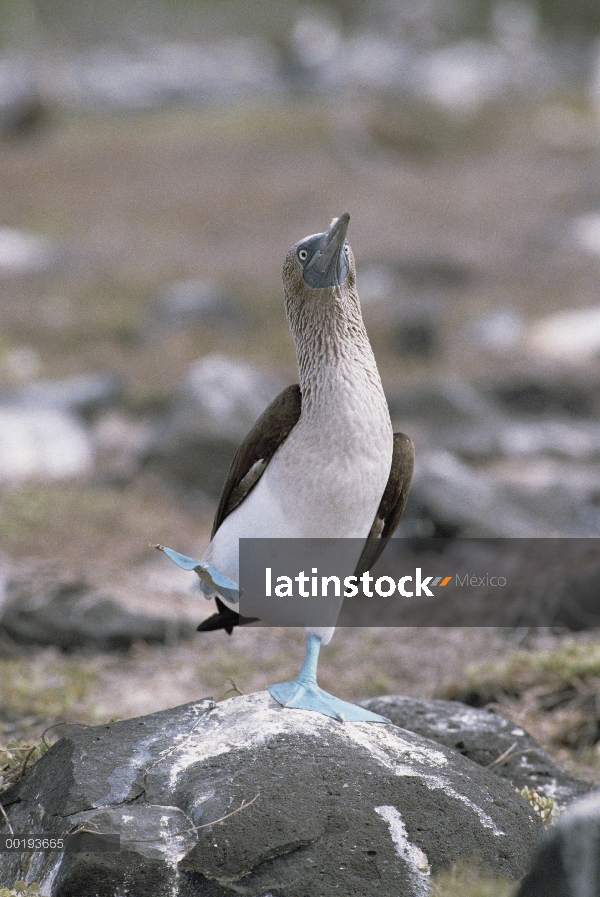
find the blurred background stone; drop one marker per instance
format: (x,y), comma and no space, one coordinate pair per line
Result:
(22,110)
(85,395)
(71,616)
(121,442)
(25,253)
(220,399)
(199,301)
(567,859)
(570,337)
(42,443)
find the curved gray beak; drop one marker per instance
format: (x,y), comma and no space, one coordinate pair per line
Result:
(329,265)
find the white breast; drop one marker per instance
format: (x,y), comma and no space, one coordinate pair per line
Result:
(325,481)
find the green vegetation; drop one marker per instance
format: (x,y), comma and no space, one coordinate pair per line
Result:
(24,510)
(551,692)
(377,684)
(542,805)
(16,759)
(469,881)
(35,687)
(20,889)
(570,663)
(571,660)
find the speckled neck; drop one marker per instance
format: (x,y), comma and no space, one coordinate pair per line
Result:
(332,347)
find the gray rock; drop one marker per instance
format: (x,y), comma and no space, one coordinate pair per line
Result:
(416,336)
(570,337)
(42,443)
(23,253)
(451,402)
(477,466)
(462,77)
(401,286)
(42,435)
(534,497)
(308,806)
(484,737)
(199,301)
(121,442)
(22,109)
(547,391)
(405,299)
(71,616)
(457,498)
(497,332)
(85,394)
(461,419)
(165,72)
(230,395)
(567,863)
(558,437)
(219,402)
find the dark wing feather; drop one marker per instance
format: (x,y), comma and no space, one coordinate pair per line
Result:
(270,430)
(393,502)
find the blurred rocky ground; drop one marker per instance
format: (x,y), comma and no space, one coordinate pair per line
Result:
(455,55)
(481,133)
(152,179)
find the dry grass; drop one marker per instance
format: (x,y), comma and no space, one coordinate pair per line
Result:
(552,691)
(92,529)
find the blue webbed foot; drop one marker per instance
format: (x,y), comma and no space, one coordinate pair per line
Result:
(208,573)
(304,693)
(307,695)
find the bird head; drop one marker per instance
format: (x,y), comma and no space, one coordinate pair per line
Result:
(319,277)
(322,305)
(320,261)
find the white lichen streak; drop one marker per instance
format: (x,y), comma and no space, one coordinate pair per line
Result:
(47,880)
(415,858)
(254,721)
(484,818)
(122,778)
(382,744)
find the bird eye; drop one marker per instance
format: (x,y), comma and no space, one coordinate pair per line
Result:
(302,255)
(346,247)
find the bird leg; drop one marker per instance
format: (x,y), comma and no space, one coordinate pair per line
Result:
(304,693)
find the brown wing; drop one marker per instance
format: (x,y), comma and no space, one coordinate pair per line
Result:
(393,502)
(270,430)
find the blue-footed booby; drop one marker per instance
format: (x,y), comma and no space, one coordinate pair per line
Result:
(321,461)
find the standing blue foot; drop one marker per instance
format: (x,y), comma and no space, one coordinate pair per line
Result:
(304,693)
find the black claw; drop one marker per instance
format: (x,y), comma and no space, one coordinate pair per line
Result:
(226,620)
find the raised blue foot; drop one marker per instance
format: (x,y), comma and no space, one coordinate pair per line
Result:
(304,693)
(213,580)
